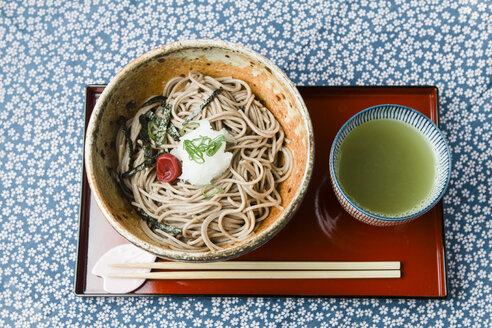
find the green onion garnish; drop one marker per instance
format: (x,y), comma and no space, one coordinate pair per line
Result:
(193,152)
(149,128)
(214,145)
(198,146)
(215,192)
(187,125)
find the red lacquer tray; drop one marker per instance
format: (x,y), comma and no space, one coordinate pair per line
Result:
(320,231)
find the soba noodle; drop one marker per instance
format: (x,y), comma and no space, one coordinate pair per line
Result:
(260,162)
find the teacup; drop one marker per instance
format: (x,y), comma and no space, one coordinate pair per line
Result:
(375,179)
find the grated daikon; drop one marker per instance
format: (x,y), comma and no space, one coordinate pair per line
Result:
(213,166)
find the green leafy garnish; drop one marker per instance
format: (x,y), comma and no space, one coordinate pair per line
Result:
(193,151)
(202,145)
(149,128)
(154,224)
(202,106)
(214,145)
(216,190)
(187,125)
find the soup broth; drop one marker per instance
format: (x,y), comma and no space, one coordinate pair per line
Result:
(387,167)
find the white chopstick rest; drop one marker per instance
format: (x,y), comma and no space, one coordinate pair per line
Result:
(125,254)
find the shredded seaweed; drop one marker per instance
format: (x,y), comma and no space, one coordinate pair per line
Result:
(154,224)
(144,136)
(122,122)
(163,124)
(124,188)
(173,131)
(151,116)
(154,100)
(133,171)
(149,158)
(142,166)
(202,106)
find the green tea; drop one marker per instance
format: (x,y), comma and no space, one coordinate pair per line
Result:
(387,167)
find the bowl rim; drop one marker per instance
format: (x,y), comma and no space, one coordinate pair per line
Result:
(238,248)
(372,215)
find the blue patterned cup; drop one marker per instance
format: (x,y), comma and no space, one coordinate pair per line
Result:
(421,123)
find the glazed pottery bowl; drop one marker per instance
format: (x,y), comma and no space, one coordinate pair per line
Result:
(146,76)
(427,128)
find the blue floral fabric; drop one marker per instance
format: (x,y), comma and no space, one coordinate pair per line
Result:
(50,50)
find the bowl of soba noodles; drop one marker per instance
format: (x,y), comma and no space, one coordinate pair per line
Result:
(199,150)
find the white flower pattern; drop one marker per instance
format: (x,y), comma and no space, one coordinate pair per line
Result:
(49,51)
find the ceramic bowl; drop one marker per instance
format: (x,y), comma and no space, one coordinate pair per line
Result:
(426,127)
(146,76)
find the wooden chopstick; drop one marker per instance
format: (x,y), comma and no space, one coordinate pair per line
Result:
(341,274)
(266,265)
